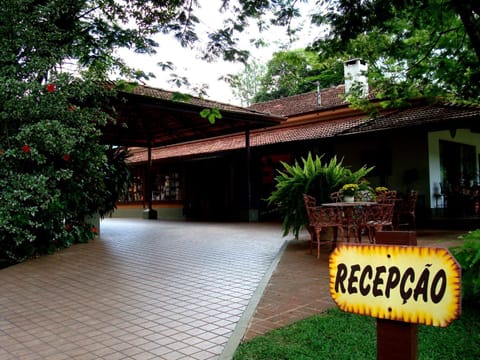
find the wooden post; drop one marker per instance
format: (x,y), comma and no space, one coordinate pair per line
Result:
(149,213)
(396,340)
(396,238)
(252,213)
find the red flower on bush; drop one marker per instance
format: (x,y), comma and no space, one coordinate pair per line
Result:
(50,88)
(95,230)
(1,151)
(26,149)
(68,227)
(66,157)
(72,108)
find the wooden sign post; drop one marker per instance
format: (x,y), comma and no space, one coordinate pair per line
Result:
(396,340)
(399,285)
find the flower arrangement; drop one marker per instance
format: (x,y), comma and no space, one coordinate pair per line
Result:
(349,189)
(381,189)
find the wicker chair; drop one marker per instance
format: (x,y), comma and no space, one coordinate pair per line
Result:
(310,202)
(387,197)
(320,217)
(349,216)
(377,217)
(336,196)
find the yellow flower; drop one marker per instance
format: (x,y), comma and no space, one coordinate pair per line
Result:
(349,189)
(380,189)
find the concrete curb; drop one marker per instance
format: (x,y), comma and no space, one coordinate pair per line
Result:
(242,324)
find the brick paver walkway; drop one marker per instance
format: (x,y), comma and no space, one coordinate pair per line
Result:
(143,290)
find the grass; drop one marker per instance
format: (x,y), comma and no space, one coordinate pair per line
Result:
(337,335)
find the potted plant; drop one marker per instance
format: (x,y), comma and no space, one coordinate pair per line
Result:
(311,177)
(380,189)
(348,192)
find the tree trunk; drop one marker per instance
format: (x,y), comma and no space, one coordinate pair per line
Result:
(469,13)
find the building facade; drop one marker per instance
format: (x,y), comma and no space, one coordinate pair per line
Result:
(431,148)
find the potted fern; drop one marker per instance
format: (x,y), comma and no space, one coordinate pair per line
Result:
(313,177)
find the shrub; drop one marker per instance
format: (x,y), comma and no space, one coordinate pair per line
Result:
(53,172)
(468,256)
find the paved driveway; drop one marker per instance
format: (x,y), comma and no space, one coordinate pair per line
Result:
(144,290)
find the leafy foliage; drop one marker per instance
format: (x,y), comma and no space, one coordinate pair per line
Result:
(53,171)
(287,73)
(296,72)
(427,48)
(311,177)
(212,114)
(246,84)
(468,256)
(424,48)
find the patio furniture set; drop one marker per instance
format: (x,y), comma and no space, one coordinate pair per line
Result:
(356,219)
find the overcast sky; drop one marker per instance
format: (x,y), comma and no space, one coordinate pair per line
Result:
(188,64)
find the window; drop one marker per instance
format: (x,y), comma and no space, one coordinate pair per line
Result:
(166,186)
(135,192)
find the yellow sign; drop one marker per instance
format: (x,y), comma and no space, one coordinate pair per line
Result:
(418,285)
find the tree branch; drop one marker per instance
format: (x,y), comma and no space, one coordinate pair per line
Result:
(434,44)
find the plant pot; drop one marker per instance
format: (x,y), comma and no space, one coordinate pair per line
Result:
(348,198)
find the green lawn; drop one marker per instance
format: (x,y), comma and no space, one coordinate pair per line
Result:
(339,335)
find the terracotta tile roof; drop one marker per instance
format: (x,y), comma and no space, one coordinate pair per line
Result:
(426,115)
(273,135)
(156,93)
(417,116)
(146,115)
(303,103)
(304,131)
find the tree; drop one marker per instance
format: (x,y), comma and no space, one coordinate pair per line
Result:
(53,172)
(296,72)
(351,18)
(428,48)
(423,48)
(287,73)
(245,84)
(54,61)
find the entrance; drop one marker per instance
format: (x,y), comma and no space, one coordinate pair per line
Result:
(207,189)
(458,166)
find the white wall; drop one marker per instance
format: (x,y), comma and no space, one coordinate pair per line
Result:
(407,153)
(464,136)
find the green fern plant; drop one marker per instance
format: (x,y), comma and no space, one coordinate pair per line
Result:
(311,177)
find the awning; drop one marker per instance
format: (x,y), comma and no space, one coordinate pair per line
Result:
(150,117)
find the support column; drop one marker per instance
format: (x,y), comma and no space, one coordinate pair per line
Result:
(149,213)
(252,213)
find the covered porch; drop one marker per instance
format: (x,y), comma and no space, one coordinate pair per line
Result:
(148,118)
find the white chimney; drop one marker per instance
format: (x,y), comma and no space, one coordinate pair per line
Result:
(355,71)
